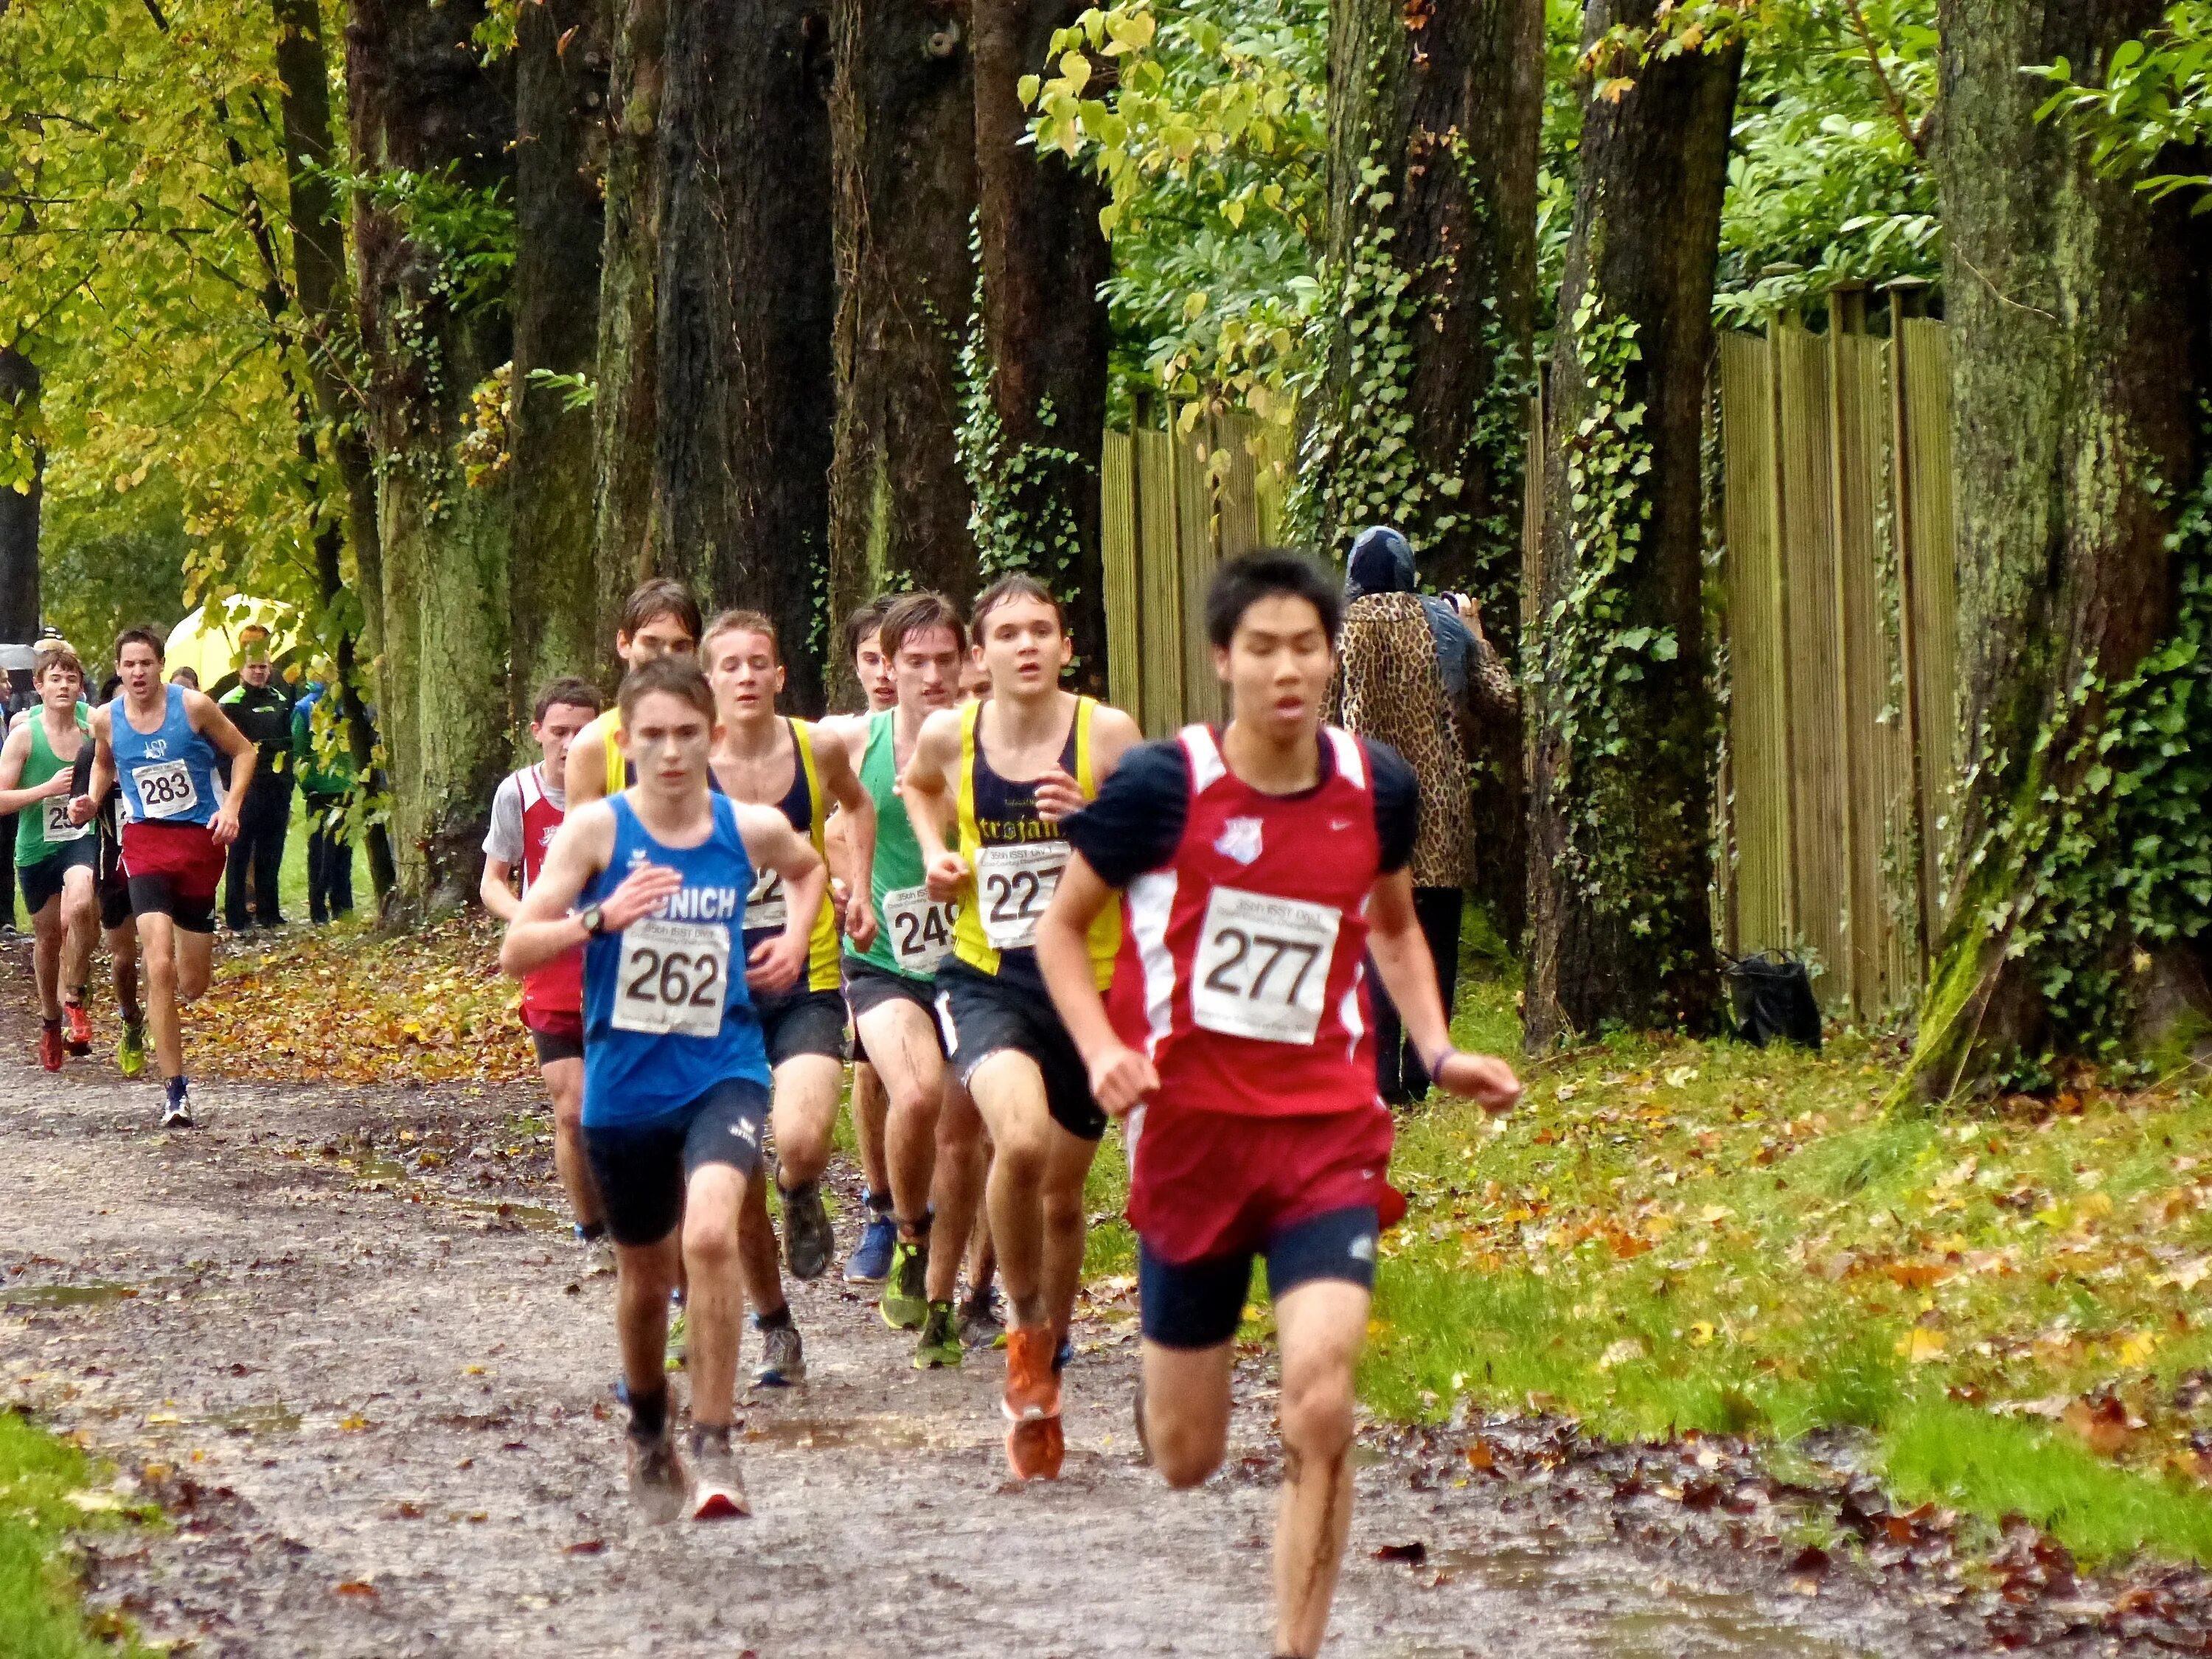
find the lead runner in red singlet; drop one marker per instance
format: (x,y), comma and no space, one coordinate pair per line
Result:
(1262,865)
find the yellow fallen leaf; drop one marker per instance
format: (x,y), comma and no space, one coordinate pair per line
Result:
(1701,1333)
(1919,1346)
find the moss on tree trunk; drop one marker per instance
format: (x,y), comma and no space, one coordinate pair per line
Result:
(19,514)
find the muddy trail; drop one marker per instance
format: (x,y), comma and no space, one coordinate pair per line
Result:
(343,1337)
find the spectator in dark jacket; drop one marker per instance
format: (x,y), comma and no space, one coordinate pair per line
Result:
(326,786)
(260,707)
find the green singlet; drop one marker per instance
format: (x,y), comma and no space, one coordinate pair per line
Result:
(912,935)
(34,843)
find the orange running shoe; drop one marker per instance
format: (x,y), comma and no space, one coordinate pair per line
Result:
(50,1045)
(1034,1444)
(80,1028)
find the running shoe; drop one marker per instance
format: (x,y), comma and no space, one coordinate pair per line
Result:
(939,1344)
(1062,1354)
(906,1299)
(177,1111)
(808,1240)
(50,1045)
(675,1334)
(658,1479)
(783,1356)
(871,1260)
(80,1028)
(718,1490)
(1035,1445)
(982,1324)
(131,1048)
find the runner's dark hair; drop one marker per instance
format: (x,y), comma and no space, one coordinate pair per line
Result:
(569,692)
(1004,590)
(865,620)
(61,657)
(678,677)
(911,613)
(140,636)
(1243,582)
(740,621)
(663,596)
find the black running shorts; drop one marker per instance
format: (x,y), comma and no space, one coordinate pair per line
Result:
(802,1023)
(868,986)
(42,882)
(152,896)
(1198,1304)
(983,1014)
(642,1169)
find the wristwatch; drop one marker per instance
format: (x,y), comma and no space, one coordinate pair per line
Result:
(594,922)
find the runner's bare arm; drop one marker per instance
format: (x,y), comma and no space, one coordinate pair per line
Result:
(1112,734)
(927,786)
(856,819)
(1120,1076)
(772,844)
(497,895)
(12,754)
(103,772)
(584,774)
(543,929)
(208,719)
(1401,957)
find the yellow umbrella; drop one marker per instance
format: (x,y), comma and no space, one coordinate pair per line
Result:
(206,641)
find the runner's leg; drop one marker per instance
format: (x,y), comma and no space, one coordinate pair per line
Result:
(195,963)
(1321,1325)
(123,967)
(714,1304)
(644,1275)
(759,1264)
(1009,1091)
(956,1187)
(157,943)
(902,1041)
(1066,1223)
(46,957)
(564,1082)
(1185,1405)
(81,930)
(871,1105)
(804,1114)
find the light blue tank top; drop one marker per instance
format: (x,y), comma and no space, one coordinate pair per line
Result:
(167,775)
(666,1014)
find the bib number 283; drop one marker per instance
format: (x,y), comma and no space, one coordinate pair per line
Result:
(674,979)
(1013,886)
(165,791)
(1263,966)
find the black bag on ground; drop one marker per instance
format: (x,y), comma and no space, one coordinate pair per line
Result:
(1773,996)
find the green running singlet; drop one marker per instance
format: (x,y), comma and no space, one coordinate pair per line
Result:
(912,934)
(43,829)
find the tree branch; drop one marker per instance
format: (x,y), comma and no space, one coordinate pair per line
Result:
(1915,136)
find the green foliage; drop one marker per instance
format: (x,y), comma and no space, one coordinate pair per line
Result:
(2151,106)
(44,1497)
(107,562)
(468,231)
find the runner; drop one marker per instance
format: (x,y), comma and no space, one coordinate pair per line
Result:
(677,1089)
(933,1138)
(661,618)
(1263,864)
(1007,771)
(161,742)
(55,855)
(871,1260)
(799,769)
(526,814)
(114,888)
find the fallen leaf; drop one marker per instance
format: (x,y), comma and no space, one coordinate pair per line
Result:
(585,1546)
(1921,1345)
(356,1587)
(1412,1554)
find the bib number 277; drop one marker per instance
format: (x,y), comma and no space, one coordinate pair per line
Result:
(1263,966)
(674,979)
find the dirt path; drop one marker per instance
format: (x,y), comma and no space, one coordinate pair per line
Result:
(378,1410)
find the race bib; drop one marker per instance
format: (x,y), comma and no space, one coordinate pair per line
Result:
(165,790)
(54,817)
(920,933)
(1013,884)
(1262,968)
(764,905)
(674,978)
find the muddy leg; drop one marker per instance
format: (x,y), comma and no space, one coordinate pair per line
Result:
(1067,1165)
(564,1082)
(1321,1325)
(46,955)
(902,1041)
(645,1274)
(805,1113)
(1186,1410)
(957,1189)
(714,1304)
(1010,1094)
(870,1106)
(760,1265)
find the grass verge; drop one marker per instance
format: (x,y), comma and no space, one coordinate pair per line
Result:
(42,1500)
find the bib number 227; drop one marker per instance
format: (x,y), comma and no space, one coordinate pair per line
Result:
(674,979)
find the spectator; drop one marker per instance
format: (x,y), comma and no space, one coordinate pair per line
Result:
(187,677)
(326,786)
(1407,661)
(261,708)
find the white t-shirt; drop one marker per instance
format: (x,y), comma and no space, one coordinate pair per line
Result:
(503,839)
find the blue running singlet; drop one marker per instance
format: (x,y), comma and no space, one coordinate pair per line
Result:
(167,774)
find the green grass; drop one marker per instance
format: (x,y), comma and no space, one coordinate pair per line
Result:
(39,1615)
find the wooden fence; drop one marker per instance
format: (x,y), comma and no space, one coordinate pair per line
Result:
(1841,628)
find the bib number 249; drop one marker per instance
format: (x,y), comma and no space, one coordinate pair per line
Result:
(674,979)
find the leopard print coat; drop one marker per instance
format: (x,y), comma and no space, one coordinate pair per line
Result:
(1389,689)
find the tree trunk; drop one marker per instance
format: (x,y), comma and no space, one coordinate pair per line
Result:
(902,135)
(421,101)
(1033,448)
(1623,720)
(625,417)
(351,611)
(2077,311)
(561,91)
(741,477)
(19,517)
(1438,253)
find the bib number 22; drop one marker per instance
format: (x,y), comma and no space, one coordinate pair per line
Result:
(1013,886)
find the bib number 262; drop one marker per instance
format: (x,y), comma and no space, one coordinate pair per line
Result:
(674,979)
(1263,966)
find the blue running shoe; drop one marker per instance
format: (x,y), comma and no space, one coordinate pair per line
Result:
(871,1260)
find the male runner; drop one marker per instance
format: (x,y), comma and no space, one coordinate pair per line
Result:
(1262,865)
(933,1137)
(871,1260)
(798,768)
(1006,771)
(660,618)
(54,854)
(161,742)
(526,812)
(113,888)
(677,1089)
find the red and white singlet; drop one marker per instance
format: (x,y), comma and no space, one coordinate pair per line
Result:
(1243,960)
(558,989)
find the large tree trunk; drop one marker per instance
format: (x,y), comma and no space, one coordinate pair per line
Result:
(1623,720)
(625,416)
(902,135)
(560,87)
(1438,254)
(742,473)
(421,101)
(2079,349)
(352,612)
(1033,457)
(19,516)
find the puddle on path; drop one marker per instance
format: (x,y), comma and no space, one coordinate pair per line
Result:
(64,1296)
(277,1418)
(819,1433)
(373,1169)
